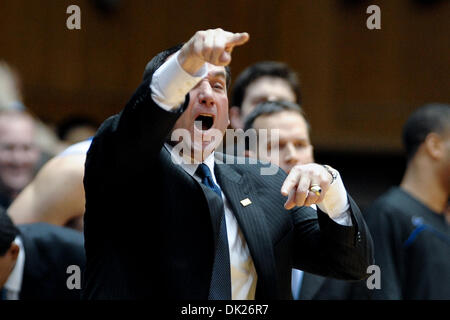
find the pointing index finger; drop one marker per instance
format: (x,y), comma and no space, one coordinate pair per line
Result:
(236,39)
(289,183)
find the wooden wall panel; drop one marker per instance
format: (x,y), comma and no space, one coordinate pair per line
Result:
(358,85)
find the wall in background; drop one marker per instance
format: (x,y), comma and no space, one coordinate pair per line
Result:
(359,85)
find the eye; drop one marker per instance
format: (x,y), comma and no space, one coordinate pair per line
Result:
(27,148)
(7,147)
(300,145)
(259,100)
(218,85)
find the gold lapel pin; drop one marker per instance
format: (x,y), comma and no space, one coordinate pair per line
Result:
(246,202)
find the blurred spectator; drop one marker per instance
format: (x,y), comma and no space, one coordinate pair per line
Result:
(18,153)
(56,194)
(34,259)
(294,142)
(11,99)
(76,129)
(409,226)
(262,81)
(10,95)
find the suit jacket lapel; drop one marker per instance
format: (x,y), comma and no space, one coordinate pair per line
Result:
(237,187)
(33,272)
(215,204)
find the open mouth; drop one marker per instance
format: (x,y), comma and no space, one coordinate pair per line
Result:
(204,121)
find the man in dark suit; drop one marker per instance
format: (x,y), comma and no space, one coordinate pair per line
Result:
(178,220)
(34,261)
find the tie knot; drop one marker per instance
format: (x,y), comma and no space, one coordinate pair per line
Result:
(203,171)
(205,174)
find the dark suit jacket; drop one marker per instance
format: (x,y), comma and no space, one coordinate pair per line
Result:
(413,248)
(315,287)
(149,231)
(49,250)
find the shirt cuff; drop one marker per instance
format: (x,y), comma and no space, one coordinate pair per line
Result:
(170,83)
(335,203)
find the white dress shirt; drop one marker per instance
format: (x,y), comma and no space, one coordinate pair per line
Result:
(79,148)
(170,84)
(14,282)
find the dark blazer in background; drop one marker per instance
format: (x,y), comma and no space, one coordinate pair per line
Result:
(148,228)
(49,250)
(412,248)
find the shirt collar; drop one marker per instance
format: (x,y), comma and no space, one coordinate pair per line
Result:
(187,164)
(14,282)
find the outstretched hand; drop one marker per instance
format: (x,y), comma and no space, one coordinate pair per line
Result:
(213,46)
(301,178)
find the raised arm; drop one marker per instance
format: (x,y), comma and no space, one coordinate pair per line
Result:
(143,125)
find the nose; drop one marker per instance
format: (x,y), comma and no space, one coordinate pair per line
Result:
(205,95)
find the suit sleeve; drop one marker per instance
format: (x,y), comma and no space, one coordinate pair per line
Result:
(326,248)
(138,131)
(123,147)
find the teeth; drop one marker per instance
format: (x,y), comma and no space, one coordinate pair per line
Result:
(206,115)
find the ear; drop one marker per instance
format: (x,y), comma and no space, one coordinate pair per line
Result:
(13,251)
(434,146)
(235,118)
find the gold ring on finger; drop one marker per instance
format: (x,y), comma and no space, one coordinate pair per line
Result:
(316,189)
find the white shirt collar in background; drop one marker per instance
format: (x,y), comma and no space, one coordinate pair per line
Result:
(14,282)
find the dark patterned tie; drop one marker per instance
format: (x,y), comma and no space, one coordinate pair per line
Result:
(220,288)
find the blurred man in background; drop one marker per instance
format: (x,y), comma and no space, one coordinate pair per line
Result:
(56,194)
(27,147)
(11,99)
(262,81)
(409,223)
(34,260)
(18,153)
(289,119)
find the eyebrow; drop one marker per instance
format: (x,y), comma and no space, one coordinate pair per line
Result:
(219,74)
